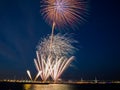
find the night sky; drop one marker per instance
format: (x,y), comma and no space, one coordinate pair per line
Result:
(22,26)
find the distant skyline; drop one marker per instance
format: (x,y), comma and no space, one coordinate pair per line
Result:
(22,26)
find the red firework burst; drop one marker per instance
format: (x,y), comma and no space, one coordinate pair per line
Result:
(63,12)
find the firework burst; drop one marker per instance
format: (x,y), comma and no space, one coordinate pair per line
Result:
(63,12)
(61,45)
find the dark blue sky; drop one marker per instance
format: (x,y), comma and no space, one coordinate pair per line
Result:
(21,27)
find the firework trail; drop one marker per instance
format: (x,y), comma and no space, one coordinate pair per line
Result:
(43,63)
(52,34)
(37,75)
(59,67)
(28,72)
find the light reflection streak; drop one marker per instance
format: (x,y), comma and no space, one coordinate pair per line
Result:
(48,87)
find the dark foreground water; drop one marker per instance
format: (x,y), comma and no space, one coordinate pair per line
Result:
(18,86)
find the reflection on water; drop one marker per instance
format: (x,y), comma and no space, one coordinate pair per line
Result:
(20,86)
(47,87)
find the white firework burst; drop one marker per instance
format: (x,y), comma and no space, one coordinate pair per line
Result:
(61,45)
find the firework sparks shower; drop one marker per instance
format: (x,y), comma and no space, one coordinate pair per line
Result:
(55,52)
(50,66)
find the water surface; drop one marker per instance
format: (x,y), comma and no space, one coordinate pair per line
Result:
(20,86)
